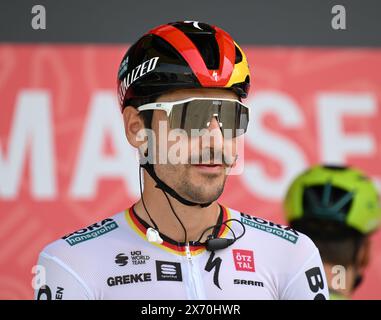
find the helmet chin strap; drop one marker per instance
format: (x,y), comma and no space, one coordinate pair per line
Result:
(358,280)
(164,187)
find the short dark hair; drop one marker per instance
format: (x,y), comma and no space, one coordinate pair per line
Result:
(146,115)
(338,244)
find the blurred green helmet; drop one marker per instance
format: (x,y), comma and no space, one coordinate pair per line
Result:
(332,193)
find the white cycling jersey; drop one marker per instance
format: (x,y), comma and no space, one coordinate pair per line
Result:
(112,259)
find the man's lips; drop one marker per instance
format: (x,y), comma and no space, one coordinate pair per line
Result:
(209,167)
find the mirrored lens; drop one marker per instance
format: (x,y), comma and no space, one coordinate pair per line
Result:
(191,115)
(197,114)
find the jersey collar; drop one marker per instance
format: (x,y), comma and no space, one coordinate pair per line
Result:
(140,227)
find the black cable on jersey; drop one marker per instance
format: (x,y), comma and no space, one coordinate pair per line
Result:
(214,243)
(225,223)
(178,219)
(170,204)
(141,196)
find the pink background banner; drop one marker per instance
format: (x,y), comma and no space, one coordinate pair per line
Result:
(65,163)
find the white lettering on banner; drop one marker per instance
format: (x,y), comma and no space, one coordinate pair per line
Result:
(277,147)
(31,143)
(104,119)
(31,131)
(335,144)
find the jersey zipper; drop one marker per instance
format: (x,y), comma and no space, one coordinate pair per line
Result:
(195,284)
(188,252)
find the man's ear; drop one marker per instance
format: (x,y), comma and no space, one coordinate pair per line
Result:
(363,256)
(134,126)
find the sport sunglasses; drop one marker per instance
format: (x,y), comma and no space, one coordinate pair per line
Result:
(196,113)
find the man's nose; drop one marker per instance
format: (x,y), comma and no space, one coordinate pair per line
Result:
(216,137)
(214,124)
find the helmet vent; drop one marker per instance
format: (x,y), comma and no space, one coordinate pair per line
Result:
(335,167)
(326,201)
(238,55)
(203,37)
(208,48)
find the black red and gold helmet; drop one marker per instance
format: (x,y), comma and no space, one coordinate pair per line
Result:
(181,55)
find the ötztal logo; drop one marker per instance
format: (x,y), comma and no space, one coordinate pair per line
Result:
(243,260)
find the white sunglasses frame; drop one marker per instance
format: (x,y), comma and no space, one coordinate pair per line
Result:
(168,106)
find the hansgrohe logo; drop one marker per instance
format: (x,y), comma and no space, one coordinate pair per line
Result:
(283,232)
(91,232)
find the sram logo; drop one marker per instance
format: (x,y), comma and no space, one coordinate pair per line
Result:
(249,282)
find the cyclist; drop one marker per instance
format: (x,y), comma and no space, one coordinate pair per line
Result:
(177,241)
(338,207)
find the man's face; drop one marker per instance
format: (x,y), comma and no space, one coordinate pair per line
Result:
(197,177)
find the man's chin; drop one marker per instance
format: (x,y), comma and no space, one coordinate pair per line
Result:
(205,193)
(204,199)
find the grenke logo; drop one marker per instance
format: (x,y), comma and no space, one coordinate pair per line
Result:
(128,278)
(91,232)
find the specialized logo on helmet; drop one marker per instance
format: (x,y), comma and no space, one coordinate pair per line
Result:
(136,73)
(215,76)
(194,23)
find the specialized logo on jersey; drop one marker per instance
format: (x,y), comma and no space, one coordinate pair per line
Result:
(243,260)
(91,232)
(216,265)
(283,232)
(168,271)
